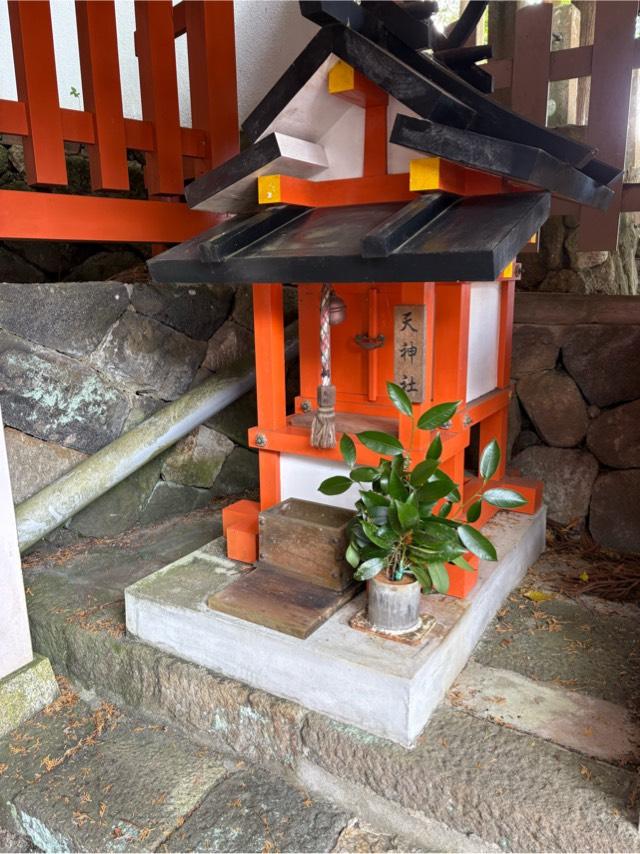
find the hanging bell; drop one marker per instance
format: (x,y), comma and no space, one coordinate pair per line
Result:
(337,310)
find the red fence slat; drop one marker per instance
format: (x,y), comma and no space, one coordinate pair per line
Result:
(98,43)
(611,69)
(212,74)
(159,90)
(37,85)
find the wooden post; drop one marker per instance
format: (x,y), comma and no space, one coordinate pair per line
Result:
(268,322)
(531,59)
(611,69)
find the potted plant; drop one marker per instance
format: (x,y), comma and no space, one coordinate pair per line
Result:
(402,537)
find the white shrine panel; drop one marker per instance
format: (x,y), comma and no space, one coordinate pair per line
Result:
(484,333)
(300,477)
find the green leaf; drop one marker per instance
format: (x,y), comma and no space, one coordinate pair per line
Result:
(407,514)
(445,509)
(400,399)
(463,563)
(370,550)
(381,443)
(383,481)
(364,474)
(422,472)
(435,449)
(436,532)
(477,543)
(335,485)
(423,577)
(348,449)
(373,499)
(473,513)
(504,498)
(397,488)
(439,577)
(437,416)
(490,460)
(379,515)
(394,522)
(382,537)
(434,490)
(369,568)
(352,555)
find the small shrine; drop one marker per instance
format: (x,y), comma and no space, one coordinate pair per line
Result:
(379,178)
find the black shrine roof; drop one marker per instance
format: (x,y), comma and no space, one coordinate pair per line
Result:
(435,238)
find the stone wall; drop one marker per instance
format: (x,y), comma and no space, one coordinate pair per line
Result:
(82,362)
(576,415)
(560,267)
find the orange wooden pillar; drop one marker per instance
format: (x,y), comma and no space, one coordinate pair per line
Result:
(451,347)
(268,322)
(496,426)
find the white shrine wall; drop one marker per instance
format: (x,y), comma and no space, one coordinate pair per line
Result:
(484,335)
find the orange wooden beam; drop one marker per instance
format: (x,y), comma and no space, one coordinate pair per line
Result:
(436,173)
(57,216)
(78,126)
(295,440)
(284,189)
(345,82)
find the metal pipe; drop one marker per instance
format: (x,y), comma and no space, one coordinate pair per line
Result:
(52,506)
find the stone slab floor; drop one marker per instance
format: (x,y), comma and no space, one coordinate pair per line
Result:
(535,749)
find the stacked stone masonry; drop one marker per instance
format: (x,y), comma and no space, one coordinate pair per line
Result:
(82,362)
(576,411)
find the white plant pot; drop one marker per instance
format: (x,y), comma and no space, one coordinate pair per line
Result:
(393,606)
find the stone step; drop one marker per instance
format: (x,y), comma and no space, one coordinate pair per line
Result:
(476,780)
(92,778)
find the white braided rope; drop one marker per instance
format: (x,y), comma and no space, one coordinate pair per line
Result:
(325,336)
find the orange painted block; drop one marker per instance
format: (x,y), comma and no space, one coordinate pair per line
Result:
(240,511)
(339,192)
(461,581)
(532,490)
(242,541)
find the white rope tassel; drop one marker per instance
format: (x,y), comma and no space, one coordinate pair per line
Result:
(323,427)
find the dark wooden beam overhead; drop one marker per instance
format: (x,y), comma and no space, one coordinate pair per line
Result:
(510,159)
(241,232)
(466,23)
(393,232)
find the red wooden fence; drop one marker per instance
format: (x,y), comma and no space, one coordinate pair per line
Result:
(609,61)
(173,153)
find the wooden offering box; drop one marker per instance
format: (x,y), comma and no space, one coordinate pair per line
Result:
(302,577)
(307,539)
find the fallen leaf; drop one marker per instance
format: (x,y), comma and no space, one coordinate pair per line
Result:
(537,595)
(586,773)
(584,576)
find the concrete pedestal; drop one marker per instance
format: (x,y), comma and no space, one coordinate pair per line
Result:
(24,692)
(380,685)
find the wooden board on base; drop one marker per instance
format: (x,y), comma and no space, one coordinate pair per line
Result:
(281,601)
